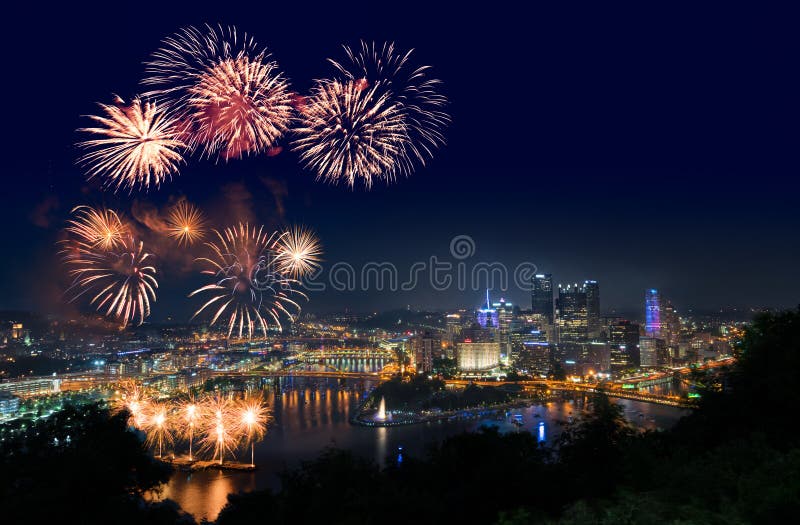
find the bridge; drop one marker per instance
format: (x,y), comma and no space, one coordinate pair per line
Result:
(587,388)
(335,374)
(350,353)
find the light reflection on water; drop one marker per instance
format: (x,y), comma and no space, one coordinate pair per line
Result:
(313,414)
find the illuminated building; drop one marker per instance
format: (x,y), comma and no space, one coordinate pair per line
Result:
(653,352)
(9,404)
(518,338)
(426,348)
(671,328)
(542,296)
(597,358)
(593,323)
(453,323)
(535,358)
(652,313)
(487,317)
(474,357)
(505,316)
(571,314)
(623,339)
(31,387)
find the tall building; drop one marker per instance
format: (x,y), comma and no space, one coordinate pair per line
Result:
(505,316)
(427,347)
(453,324)
(571,314)
(652,313)
(653,352)
(487,316)
(623,339)
(542,296)
(535,358)
(593,322)
(670,327)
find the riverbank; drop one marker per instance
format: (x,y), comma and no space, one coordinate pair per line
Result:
(192,465)
(363,416)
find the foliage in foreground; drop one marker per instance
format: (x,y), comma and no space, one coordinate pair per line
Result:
(81,465)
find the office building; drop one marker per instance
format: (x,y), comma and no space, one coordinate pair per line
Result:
(623,340)
(542,296)
(652,313)
(653,352)
(571,314)
(9,404)
(593,321)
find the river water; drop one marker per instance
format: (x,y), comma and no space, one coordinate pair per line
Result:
(311,414)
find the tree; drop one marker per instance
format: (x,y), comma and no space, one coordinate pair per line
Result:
(81,465)
(594,445)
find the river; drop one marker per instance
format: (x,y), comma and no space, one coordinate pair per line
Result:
(311,414)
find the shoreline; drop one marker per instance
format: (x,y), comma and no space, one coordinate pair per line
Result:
(186,465)
(361,419)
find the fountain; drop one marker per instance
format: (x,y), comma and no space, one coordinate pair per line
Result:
(381,415)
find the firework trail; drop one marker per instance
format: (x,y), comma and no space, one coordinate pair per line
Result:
(299,252)
(137,146)
(185,223)
(234,95)
(417,95)
(347,133)
(219,426)
(158,426)
(120,279)
(191,412)
(97,228)
(253,418)
(249,287)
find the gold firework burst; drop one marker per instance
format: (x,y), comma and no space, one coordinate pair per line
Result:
(138,145)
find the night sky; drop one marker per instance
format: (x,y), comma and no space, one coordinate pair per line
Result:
(641,149)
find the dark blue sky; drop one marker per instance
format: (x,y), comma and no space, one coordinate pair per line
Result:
(642,149)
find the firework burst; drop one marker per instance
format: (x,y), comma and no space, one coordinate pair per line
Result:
(97,228)
(253,418)
(137,404)
(391,73)
(234,95)
(120,280)
(249,287)
(240,106)
(158,426)
(191,413)
(185,223)
(349,133)
(137,145)
(219,426)
(299,252)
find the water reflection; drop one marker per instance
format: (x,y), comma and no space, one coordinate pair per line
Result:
(311,414)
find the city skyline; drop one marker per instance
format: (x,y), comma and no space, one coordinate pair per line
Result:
(398,262)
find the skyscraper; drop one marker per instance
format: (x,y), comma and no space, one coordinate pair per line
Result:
(652,313)
(487,316)
(594,325)
(571,314)
(653,352)
(623,339)
(505,315)
(542,296)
